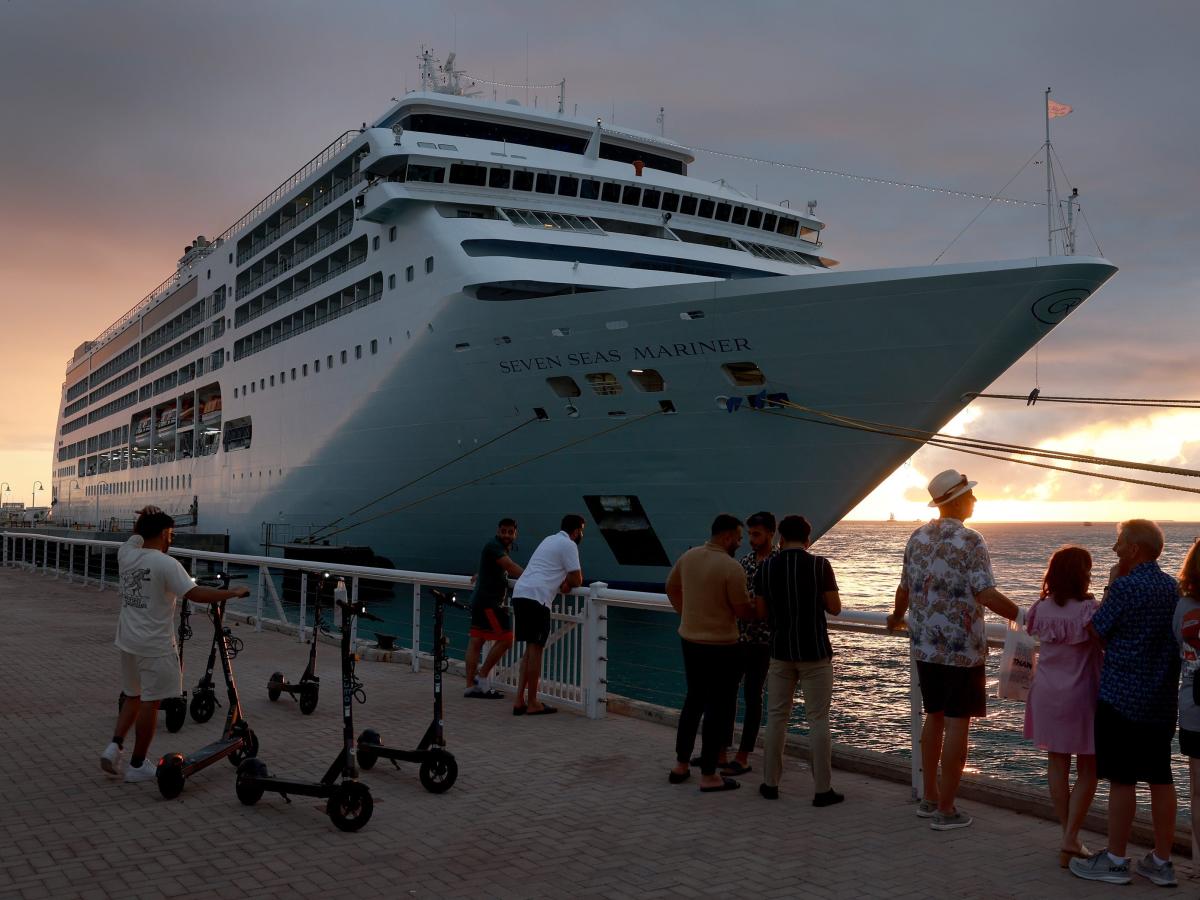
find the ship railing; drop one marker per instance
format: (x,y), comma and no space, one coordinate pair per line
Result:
(575,664)
(300,256)
(240,351)
(285,225)
(282,297)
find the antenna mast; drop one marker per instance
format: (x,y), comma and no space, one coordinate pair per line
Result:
(1049,199)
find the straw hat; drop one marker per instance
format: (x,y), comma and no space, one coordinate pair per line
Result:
(948,485)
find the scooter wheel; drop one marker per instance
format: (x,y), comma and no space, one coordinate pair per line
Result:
(366,756)
(273,691)
(438,772)
(309,694)
(351,806)
(249,781)
(176,713)
(248,750)
(202,707)
(169,776)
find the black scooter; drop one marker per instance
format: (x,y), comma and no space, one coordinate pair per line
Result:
(348,801)
(174,708)
(237,741)
(204,695)
(308,689)
(439,770)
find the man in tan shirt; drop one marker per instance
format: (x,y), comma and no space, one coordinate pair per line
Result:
(707,588)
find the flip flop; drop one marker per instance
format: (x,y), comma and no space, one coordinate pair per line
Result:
(544,711)
(727,784)
(492,694)
(734,768)
(678,777)
(519,710)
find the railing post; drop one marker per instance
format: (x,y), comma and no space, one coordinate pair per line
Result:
(303,604)
(71,563)
(595,653)
(103,564)
(58,559)
(4,550)
(914,706)
(258,606)
(416,628)
(354,624)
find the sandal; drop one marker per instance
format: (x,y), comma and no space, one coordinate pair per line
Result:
(727,784)
(734,768)
(678,777)
(519,710)
(544,711)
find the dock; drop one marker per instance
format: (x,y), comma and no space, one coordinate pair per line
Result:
(558,806)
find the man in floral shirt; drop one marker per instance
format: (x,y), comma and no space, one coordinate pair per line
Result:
(946,584)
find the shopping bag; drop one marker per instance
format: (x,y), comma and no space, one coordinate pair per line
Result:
(1017,664)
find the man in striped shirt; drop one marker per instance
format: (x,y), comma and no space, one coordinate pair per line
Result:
(794,590)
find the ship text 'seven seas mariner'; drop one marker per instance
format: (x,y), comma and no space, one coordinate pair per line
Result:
(504,311)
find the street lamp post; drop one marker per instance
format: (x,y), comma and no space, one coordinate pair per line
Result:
(5,488)
(37,486)
(70,499)
(98,493)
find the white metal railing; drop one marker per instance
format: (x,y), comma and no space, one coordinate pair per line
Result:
(574,669)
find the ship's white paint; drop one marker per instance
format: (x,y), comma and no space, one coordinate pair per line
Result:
(899,346)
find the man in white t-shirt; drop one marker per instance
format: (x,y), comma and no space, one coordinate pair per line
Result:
(553,569)
(151,582)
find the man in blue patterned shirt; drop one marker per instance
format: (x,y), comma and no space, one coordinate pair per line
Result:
(1135,715)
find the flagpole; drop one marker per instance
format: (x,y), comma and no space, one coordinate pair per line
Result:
(1049,208)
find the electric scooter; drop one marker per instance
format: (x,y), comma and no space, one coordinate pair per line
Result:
(174,708)
(439,770)
(307,690)
(237,741)
(204,696)
(348,801)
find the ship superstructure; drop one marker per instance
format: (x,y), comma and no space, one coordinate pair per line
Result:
(451,311)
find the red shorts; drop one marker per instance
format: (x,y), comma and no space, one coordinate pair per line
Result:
(490,623)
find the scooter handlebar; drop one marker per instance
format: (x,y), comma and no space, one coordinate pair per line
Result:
(360,611)
(448,599)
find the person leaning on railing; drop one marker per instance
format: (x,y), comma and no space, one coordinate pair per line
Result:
(948,578)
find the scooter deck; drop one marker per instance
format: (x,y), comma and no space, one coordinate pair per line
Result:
(211,753)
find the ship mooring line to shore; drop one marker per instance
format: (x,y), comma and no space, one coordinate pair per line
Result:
(1031,400)
(521,462)
(989,449)
(319,533)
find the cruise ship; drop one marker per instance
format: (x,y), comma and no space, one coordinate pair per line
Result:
(471,309)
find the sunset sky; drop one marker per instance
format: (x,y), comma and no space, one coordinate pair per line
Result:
(131,127)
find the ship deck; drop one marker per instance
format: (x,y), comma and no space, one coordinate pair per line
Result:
(550,807)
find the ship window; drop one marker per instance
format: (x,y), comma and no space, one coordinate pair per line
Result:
(754,220)
(235,393)
(568,186)
(631,196)
(739,215)
(447,147)
(428,264)
(706,209)
(789,227)
(563,385)
(648,380)
(604,383)
(769,220)
(391,282)
(262,383)
(252,387)
(316,366)
(429,174)
(358,351)
(461,173)
(392,233)
(545,183)
(429,144)
(610,193)
(294,374)
(408,274)
(687,206)
(375,242)
(744,374)
(522,181)
(650,198)
(304,369)
(283,377)
(343,357)
(499,178)
(589,189)
(272,381)
(670,202)
(329,361)
(237,434)
(374,346)
(723,211)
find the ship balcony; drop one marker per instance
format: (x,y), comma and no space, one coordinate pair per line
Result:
(382,200)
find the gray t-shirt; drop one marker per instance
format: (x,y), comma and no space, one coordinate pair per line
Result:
(1187,631)
(151,581)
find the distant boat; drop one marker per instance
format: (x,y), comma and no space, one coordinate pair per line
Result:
(1087,524)
(891,517)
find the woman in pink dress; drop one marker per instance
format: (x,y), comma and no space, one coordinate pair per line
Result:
(1061,707)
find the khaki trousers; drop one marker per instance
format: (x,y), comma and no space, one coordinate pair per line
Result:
(816,685)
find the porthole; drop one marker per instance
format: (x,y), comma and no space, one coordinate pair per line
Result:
(648,380)
(744,374)
(604,383)
(564,385)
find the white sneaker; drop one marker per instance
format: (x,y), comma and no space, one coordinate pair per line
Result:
(110,759)
(144,772)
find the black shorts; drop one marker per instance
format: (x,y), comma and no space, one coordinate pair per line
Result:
(533,621)
(960,692)
(1128,752)
(1189,743)
(490,622)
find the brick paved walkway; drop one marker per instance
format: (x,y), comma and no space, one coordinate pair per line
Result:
(550,807)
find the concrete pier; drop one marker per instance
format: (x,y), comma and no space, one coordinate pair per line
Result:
(546,807)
